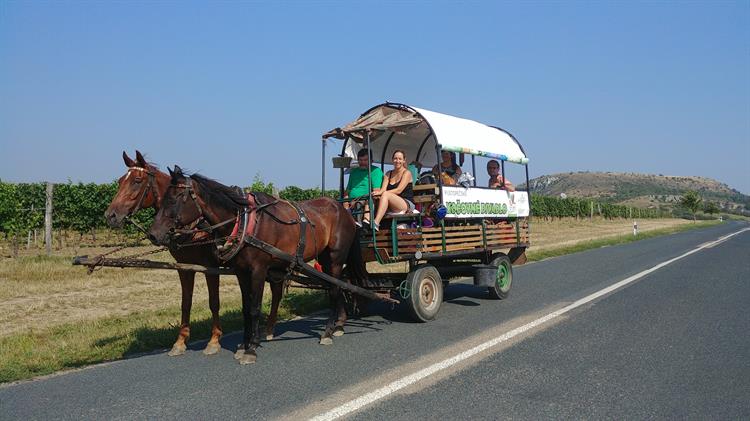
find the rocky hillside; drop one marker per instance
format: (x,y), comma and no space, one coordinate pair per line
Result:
(642,190)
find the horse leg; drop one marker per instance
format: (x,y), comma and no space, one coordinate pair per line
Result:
(327,337)
(258,282)
(212,282)
(243,278)
(277,291)
(187,281)
(338,329)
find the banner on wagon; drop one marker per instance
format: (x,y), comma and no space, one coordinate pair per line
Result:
(472,202)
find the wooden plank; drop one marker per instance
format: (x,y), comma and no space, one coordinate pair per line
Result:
(456,228)
(425,198)
(422,187)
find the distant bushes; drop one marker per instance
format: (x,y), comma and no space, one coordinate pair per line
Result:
(556,207)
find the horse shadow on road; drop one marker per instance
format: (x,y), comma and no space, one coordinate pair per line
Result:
(375,317)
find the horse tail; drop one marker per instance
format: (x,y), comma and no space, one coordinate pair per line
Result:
(355,263)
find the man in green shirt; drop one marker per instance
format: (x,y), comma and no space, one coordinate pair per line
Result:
(357,185)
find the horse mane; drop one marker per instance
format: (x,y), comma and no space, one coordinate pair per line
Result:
(220,194)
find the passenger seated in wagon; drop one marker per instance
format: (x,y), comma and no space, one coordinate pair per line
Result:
(396,192)
(496,180)
(356,187)
(447,168)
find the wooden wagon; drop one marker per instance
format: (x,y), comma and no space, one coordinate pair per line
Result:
(457,230)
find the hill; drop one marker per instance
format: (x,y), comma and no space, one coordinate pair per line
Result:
(641,190)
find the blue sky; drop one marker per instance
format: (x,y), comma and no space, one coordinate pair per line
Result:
(235,89)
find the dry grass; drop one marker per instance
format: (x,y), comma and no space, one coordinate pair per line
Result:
(41,292)
(45,301)
(567,232)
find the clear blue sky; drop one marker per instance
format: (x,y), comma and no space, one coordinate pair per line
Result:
(235,89)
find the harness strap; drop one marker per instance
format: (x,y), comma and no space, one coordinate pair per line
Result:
(303,221)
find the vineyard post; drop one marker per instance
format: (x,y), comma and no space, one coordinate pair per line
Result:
(592,210)
(48,220)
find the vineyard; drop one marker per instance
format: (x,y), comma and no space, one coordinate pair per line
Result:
(80,207)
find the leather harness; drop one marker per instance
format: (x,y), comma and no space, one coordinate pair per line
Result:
(246,226)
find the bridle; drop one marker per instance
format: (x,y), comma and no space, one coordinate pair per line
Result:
(190,228)
(150,187)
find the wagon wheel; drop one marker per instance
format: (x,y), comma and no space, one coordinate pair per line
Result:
(503,278)
(426,292)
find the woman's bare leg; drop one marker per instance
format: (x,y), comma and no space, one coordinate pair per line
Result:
(389,201)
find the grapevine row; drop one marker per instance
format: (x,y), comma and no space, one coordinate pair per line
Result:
(80,207)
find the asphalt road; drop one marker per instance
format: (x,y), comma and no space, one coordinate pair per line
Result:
(672,344)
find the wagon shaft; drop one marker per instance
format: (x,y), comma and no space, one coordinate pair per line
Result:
(148,264)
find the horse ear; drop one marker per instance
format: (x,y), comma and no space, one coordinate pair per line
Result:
(128,162)
(171,174)
(177,169)
(139,159)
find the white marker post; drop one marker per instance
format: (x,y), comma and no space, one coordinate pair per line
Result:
(635,228)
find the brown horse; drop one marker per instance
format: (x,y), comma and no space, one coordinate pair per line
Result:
(330,235)
(142,187)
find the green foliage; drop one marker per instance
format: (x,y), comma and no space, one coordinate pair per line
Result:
(710,208)
(81,206)
(259,186)
(555,207)
(21,207)
(691,201)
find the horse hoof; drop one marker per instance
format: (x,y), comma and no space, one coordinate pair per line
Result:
(248,359)
(326,341)
(212,348)
(338,331)
(269,337)
(177,350)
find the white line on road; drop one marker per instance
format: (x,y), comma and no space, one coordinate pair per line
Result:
(397,385)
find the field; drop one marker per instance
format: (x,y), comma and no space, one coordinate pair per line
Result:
(56,316)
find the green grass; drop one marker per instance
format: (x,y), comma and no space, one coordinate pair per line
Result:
(533,255)
(74,345)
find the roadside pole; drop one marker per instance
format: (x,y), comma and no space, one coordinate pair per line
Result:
(48,220)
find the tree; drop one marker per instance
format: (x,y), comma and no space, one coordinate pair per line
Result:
(691,201)
(710,208)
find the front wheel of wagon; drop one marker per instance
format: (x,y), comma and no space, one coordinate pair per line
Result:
(425,292)
(500,289)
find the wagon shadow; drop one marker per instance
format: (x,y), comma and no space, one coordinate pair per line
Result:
(458,294)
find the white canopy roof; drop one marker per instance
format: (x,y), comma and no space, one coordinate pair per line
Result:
(416,131)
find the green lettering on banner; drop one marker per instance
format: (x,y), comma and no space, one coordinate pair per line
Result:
(476,208)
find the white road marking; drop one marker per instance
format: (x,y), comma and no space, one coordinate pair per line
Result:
(397,385)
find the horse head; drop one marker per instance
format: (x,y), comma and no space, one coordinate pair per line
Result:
(178,208)
(140,187)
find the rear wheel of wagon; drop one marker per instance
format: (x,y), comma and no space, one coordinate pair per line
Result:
(425,292)
(503,278)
